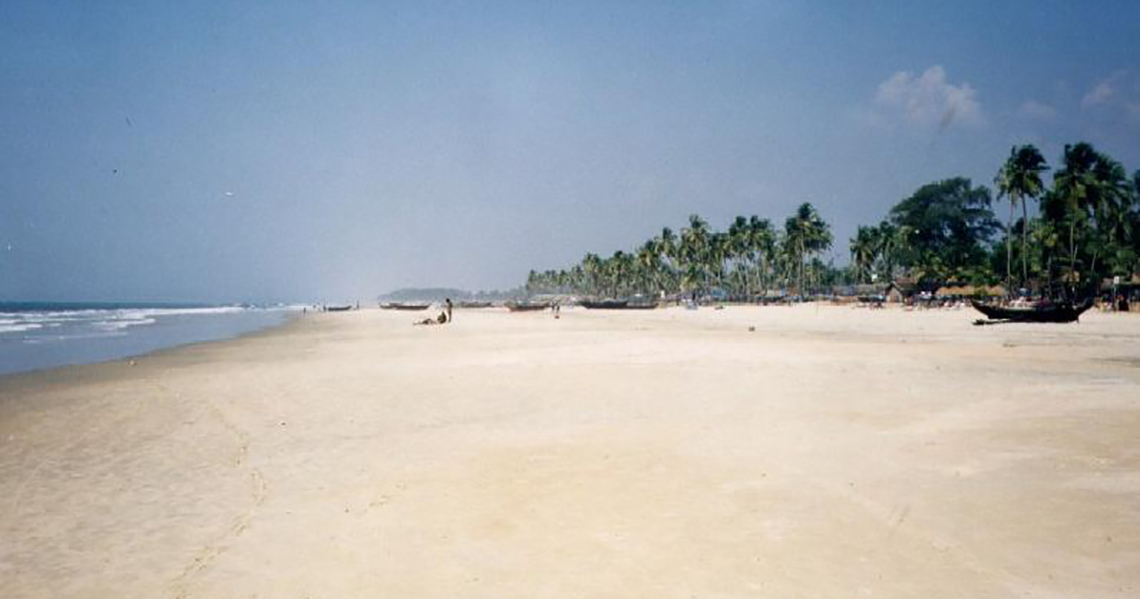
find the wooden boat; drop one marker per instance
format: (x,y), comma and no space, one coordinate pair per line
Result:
(471,304)
(1058,312)
(403,306)
(527,306)
(603,304)
(616,304)
(338,308)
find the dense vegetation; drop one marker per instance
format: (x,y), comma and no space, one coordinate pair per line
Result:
(1086,228)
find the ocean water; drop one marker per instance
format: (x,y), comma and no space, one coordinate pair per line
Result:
(36,335)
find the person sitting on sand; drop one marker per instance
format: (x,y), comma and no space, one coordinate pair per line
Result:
(441,319)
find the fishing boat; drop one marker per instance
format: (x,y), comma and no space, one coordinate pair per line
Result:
(472,304)
(1053,312)
(618,304)
(603,304)
(403,306)
(338,308)
(526,306)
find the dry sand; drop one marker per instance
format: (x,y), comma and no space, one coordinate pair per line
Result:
(833,452)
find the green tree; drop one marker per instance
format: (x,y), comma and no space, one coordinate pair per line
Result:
(1020,180)
(944,229)
(865,248)
(806,234)
(694,252)
(763,239)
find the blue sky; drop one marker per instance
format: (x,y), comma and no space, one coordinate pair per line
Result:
(304,151)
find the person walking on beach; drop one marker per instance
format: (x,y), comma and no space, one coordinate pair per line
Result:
(447,301)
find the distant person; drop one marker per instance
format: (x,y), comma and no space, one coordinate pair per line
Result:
(448,303)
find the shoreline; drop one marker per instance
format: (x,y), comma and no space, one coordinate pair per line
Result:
(286,320)
(666,453)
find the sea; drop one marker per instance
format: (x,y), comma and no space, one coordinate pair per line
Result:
(39,335)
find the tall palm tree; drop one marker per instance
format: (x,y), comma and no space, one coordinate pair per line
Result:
(593,268)
(763,241)
(693,252)
(719,250)
(1020,180)
(806,233)
(1072,183)
(1110,206)
(649,263)
(1089,186)
(864,250)
(740,253)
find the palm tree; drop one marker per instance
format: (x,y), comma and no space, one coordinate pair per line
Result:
(1090,187)
(1074,184)
(1020,180)
(649,264)
(719,250)
(739,252)
(1111,205)
(763,241)
(593,268)
(865,248)
(806,233)
(693,252)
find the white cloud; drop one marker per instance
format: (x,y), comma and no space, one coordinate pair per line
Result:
(929,100)
(1034,110)
(1098,95)
(1116,96)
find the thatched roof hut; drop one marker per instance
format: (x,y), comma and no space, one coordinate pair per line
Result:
(979,291)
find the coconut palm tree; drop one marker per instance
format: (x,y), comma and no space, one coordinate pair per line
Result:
(1110,207)
(1074,184)
(649,264)
(1090,187)
(740,253)
(594,270)
(1020,180)
(864,250)
(762,238)
(806,233)
(693,252)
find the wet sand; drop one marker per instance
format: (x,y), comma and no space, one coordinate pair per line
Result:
(831,452)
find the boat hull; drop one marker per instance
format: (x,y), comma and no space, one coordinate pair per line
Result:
(526,307)
(614,304)
(407,307)
(1060,313)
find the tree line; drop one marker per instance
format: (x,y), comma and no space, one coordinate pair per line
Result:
(751,257)
(1086,228)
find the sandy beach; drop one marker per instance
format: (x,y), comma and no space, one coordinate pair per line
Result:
(831,452)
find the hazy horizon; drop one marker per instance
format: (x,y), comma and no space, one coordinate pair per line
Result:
(295,152)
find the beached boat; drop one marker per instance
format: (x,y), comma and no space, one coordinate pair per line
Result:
(1055,312)
(338,308)
(527,306)
(403,306)
(471,304)
(603,304)
(616,304)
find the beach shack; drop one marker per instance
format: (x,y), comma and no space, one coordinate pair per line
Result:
(964,292)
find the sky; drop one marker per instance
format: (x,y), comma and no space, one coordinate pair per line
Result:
(332,151)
